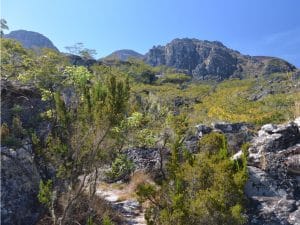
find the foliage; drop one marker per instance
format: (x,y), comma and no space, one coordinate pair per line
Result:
(213,143)
(14,58)
(205,190)
(4,131)
(139,71)
(176,78)
(84,136)
(17,128)
(45,192)
(121,168)
(3,26)
(106,220)
(231,101)
(45,70)
(79,49)
(8,137)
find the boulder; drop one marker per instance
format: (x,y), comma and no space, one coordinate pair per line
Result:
(260,184)
(272,138)
(273,187)
(148,160)
(236,133)
(20,179)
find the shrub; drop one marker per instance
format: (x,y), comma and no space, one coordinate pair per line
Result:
(45,193)
(208,191)
(176,78)
(17,128)
(4,131)
(106,220)
(121,168)
(213,143)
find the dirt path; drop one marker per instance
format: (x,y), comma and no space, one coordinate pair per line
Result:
(126,205)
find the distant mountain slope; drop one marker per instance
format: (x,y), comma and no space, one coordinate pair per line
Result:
(123,55)
(213,60)
(30,39)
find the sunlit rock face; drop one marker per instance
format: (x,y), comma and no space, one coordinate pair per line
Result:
(30,39)
(211,60)
(273,187)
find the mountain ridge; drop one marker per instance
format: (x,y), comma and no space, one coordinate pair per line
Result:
(213,60)
(201,59)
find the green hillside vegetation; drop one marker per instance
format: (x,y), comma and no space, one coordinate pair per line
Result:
(127,104)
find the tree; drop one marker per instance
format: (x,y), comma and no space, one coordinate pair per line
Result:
(3,26)
(15,59)
(79,49)
(82,140)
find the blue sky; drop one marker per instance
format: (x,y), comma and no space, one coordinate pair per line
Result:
(254,27)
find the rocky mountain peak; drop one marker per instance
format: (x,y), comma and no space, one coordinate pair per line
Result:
(212,60)
(30,39)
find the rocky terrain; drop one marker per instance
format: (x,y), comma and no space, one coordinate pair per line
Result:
(129,208)
(273,187)
(30,39)
(212,60)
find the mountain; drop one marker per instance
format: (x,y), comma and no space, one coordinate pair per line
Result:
(30,39)
(123,55)
(212,60)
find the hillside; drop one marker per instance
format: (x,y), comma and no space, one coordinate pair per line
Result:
(123,55)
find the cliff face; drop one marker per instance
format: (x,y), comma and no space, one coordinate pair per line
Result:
(212,60)
(21,168)
(30,39)
(20,179)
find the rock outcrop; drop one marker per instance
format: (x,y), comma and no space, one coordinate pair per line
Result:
(273,187)
(212,60)
(30,39)
(148,160)
(19,187)
(21,169)
(236,134)
(23,101)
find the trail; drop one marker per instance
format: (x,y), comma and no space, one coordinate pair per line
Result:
(122,202)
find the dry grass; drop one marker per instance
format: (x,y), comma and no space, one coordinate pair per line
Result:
(297,109)
(136,179)
(97,208)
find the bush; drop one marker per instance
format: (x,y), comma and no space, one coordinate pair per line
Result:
(106,220)
(45,193)
(213,143)
(4,131)
(17,128)
(176,78)
(208,191)
(121,169)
